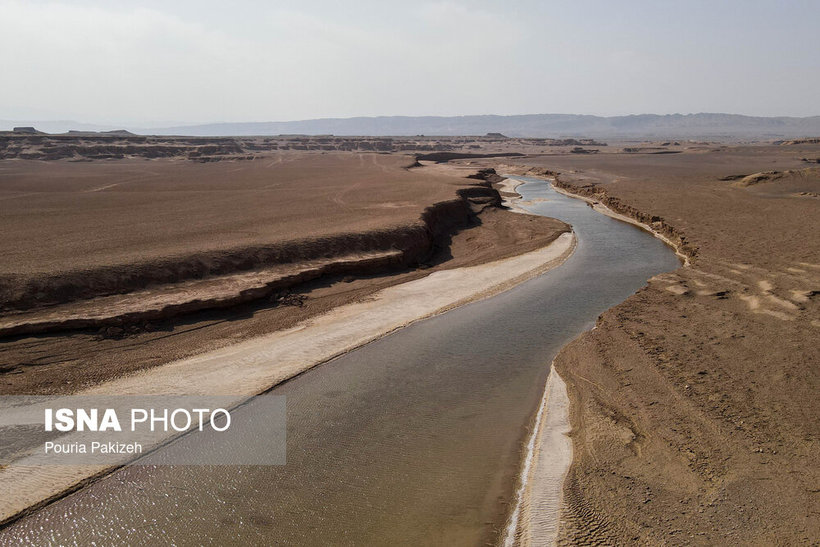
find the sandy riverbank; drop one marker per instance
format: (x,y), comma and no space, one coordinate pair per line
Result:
(693,403)
(536,517)
(603,209)
(536,512)
(467,246)
(246,369)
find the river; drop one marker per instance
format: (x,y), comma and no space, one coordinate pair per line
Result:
(415,438)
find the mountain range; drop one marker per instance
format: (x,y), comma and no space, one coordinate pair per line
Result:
(644,126)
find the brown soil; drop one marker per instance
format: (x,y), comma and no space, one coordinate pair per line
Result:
(77,230)
(694,402)
(169,211)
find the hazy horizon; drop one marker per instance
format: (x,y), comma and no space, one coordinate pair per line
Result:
(177,123)
(153,64)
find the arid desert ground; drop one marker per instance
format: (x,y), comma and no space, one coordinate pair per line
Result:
(693,403)
(134,261)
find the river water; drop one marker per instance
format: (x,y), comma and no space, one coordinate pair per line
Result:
(413,439)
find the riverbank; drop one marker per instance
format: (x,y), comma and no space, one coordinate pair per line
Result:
(574,192)
(694,401)
(537,514)
(142,269)
(390,236)
(536,510)
(246,369)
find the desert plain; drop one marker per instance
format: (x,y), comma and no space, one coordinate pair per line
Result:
(693,403)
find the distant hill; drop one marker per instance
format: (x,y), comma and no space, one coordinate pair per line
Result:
(53,126)
(714,126)
(643,126)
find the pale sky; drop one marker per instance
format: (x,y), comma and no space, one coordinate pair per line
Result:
(157,62)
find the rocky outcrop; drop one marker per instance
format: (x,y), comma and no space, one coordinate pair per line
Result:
(813,140)
(57,147)
(489,174)
(743,181)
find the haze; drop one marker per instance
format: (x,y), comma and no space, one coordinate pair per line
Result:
(157,63)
